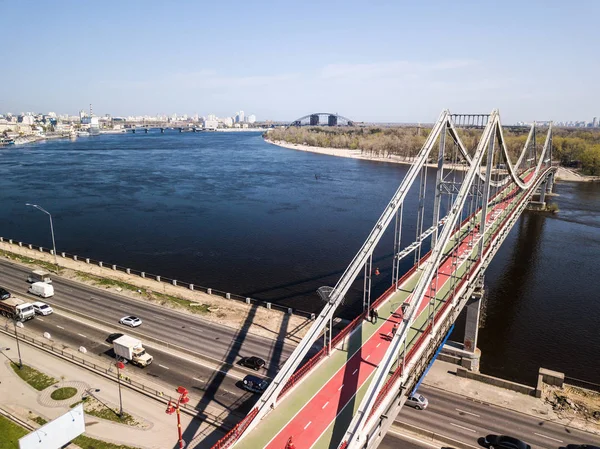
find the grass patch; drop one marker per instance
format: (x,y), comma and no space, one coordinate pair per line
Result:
(33,377)
(63,393)
(10,434)
(29,261)
(90,443)
(93,407)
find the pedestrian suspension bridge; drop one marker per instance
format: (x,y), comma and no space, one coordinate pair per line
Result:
(348,394)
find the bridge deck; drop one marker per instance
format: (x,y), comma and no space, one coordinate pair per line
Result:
(318,411)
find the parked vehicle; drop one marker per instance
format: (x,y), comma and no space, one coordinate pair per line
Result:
(253,362)
(254,384)
(505,442)
(17,309)
(4,294)
(41,308)
(39,276)
(41,289)
(131,349)
(417,401)
(131,321)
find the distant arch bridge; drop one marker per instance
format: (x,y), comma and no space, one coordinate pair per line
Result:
(322,119)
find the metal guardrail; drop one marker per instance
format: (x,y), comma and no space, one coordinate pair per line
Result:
(166,280)
(110,374)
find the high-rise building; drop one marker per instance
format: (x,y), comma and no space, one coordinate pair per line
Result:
(595,122)
(241,117)
(251,118)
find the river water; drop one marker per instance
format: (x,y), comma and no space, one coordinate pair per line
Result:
(228,211)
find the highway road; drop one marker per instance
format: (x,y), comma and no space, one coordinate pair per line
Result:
(467,420)
(212,340)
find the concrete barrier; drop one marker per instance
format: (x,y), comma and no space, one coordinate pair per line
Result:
(506,384)
(228,295)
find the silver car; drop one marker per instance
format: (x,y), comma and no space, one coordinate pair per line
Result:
(41,308)
(131,321)
(417,401)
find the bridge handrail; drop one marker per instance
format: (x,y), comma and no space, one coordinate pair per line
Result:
(232,436)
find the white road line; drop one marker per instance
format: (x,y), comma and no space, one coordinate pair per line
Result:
(81,335)
(466,428)
(341,387)
(367,357)
(306,426)
(409,437)
(468,413)
(199,380)
(355,371)
(195,329)
(546,436)
(378,344)
(41,319)
(163,366)
(60,327)
(325,405)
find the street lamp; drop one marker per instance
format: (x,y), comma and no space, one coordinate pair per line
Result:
(18,347)
(183,399)
(51,230)
(120,366)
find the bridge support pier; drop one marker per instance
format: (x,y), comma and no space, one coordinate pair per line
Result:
(473,306)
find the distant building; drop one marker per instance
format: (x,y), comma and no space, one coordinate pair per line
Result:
(595,122)
(25,119)
(239,117)
(251,118)
(227,121)
(207,123)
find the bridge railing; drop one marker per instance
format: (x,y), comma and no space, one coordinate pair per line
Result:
(388,386)
(233,435)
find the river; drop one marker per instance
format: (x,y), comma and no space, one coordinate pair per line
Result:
(231,212)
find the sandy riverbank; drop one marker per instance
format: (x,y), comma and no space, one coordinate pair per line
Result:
(346,152)
(563,174)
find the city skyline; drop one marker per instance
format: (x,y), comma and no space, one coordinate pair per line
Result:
(387,63)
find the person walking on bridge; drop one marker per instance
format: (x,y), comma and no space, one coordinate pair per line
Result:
(290,444)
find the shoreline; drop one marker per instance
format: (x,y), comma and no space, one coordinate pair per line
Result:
(562,174)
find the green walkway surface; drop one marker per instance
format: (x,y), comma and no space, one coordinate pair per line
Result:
(310,385)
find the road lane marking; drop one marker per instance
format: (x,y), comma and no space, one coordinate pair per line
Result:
(81,335)
(341,387)
(367,358)
(41,319)
(409,437)
(306,426)
(325,405)
(60,327)
(466,428)
(199,380)
(468,413)
(378,344)
(163,366)
(355,371)
(546,436)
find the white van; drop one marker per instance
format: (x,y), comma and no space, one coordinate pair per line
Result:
(42,289)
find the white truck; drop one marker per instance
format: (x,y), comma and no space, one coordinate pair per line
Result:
(41,289)
(39,276)
(131,349)
(16,309)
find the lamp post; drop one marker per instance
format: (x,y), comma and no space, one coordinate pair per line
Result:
(51,230)
(120,366)
(183,399)
(18,347)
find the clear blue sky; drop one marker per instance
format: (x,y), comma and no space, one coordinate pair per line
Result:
(368,60)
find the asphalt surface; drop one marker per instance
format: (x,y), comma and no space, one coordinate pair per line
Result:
(211,340)
(467,421)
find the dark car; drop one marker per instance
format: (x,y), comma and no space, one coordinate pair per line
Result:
(254,384)
(113,337)
(581,446)
(505,442)
(4,294)
(253,362)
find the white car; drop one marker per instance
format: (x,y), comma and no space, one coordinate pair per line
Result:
(417,401)
(131,321)
(41,308)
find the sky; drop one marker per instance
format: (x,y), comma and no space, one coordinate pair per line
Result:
(372,61)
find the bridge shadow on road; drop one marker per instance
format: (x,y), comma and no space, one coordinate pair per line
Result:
(243,405)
